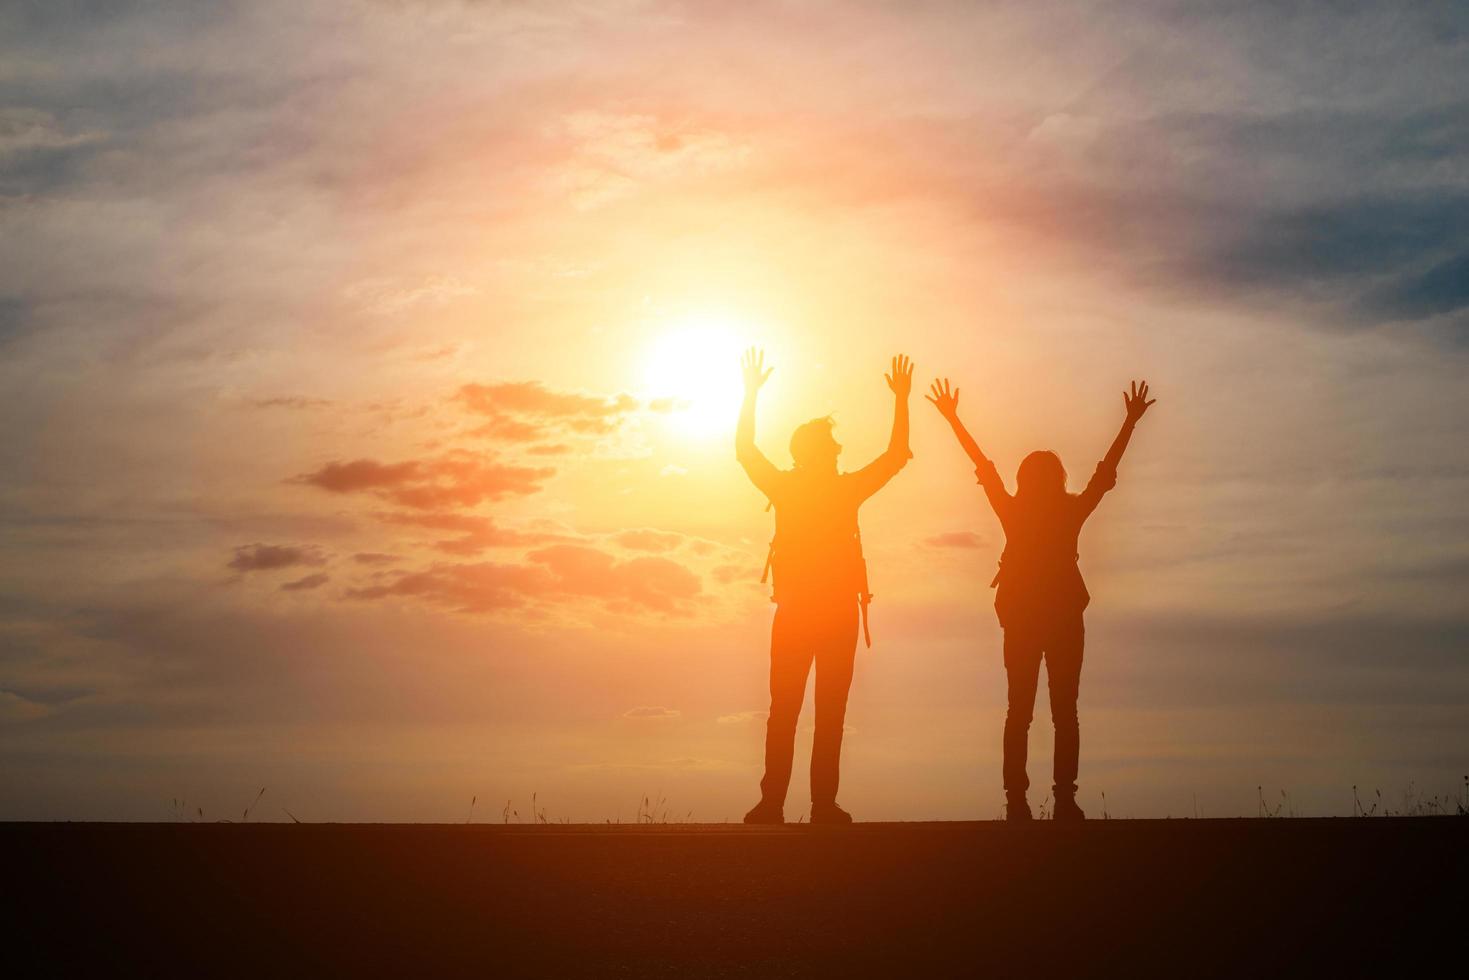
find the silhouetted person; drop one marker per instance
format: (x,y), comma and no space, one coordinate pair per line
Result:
(1040,595)
(820,585)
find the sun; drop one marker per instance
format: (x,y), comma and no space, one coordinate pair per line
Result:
(692,373)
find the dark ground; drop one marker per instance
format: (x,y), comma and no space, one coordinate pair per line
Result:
(1284,897)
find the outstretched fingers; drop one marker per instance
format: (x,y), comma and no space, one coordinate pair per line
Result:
(943,397)
(1136,400)
(900,375)
(752,365)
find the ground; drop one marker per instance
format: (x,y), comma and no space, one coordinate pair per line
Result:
(1263,897)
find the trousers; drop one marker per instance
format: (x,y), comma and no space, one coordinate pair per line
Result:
(823,633)
(1060,643)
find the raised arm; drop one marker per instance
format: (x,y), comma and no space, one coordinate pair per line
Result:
(1136,404)
(761,471)
(946,400)
(875,474)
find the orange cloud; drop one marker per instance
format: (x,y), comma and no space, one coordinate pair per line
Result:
(522,411)
(652,583)
(458,479)
(478,533)
(555,574)
(647,539)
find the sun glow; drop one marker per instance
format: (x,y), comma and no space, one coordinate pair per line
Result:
(692,373)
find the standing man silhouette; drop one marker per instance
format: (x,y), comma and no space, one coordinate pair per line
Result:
(820,585)
(1040,595)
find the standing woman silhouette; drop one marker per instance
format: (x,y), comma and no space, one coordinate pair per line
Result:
(1040,596)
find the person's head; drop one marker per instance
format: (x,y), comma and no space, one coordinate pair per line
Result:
(813,447)
(1041,475)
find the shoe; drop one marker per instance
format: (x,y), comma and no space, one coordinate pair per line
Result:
(765,813)
(829,813)
(1066,810)
(1017,810)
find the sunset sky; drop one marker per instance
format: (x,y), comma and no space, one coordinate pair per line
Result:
(368,378)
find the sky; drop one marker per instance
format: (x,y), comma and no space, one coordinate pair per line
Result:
(368,377)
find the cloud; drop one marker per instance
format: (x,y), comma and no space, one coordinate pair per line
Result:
(470,588)
(269,557)
(534,398)
(457,479)
(15,708)
(725,574)
(742,717)
(956,539)
(362,474)
(653,583)
(289,401)
(553,575)
(374,558)
(655,712)
(524,411)
(647,539)
(613,155)
(388,295)
(309,582)
(1443,288)
(477,533)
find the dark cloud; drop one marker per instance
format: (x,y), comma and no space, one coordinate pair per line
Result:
(457,479)
(1442,289)
(269,557)
(362,474)
(15,319)
(472,588)
(1345,241)
(292,401)
(309,582)
(374,558)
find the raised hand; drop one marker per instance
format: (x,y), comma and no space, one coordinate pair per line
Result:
(752,365)
(901,378)
(944,399)
(1137,403)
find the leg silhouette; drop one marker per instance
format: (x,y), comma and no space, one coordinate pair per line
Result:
(791,653)
(1063,678)
(835,654)
(1023,649)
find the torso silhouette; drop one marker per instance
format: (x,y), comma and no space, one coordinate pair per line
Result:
(816,552)
(1038,577)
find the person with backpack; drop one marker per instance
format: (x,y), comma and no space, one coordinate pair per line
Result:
(820,585)
(1040,595)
